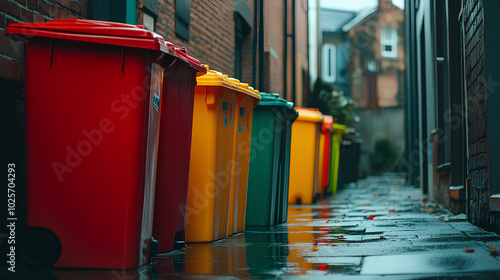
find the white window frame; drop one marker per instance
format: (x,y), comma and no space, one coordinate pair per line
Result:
(392,41)
(371,65)
(329,65)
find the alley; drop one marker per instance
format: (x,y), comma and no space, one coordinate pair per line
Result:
(378,227)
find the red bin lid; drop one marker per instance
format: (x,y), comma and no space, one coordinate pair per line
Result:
(327,123)
(102,32)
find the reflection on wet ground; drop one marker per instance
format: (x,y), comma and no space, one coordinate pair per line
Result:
(377,228)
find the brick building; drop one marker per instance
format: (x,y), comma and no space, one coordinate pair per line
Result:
(454,78)
(363,55)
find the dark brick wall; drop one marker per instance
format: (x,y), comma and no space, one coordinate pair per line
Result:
(475,56)
(212,31)
(12,53)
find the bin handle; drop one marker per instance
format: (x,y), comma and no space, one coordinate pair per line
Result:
(51,52)
(123,60)
(210,96)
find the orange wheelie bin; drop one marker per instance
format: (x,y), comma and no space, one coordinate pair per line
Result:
(304,156)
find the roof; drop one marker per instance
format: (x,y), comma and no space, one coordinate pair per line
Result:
(333,20)
(359,18)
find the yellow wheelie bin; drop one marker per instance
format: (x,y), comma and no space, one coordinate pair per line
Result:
(247,100)
(321,158)
(304,180)
(210,171)
(338,130)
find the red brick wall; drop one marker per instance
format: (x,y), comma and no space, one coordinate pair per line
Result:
(212,31)
(12,53)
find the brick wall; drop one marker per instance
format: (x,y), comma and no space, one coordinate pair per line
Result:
(212,31)
(476,121)
(12,53)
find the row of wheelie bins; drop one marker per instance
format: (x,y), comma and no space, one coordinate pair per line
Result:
(135,147)
(316,157)
(325,157)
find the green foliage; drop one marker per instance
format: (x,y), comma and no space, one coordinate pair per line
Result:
(334,103)
(385,156)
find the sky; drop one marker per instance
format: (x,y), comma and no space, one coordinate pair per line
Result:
(354,5)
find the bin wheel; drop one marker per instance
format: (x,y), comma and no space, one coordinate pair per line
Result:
(41,248)
(153,247)
(316,198)
(325,192)
(298,201)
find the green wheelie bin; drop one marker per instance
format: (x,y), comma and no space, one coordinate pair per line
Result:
(338,131)
(267,192)
(284,170)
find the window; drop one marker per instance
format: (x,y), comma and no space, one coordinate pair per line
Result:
(389,42)
(371,65)
(329,63)
(113,10)
(182,18)
(148,21)
(149,14)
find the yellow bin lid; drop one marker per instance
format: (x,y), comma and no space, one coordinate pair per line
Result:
(214,78)
(309,115)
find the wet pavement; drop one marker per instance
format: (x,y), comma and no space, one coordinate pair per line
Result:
(377,228)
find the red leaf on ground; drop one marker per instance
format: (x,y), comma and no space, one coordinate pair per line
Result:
(494,254)
(322,267)
(371,217)
(470,251)
(491,247)
(334,245)
(392,211)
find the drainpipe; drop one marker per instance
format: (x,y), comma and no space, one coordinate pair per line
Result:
(294,72)
(285,50)
(408,71)
(130,11)
(261,47)
(254,43)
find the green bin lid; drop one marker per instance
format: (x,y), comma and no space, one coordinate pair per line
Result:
(273,99)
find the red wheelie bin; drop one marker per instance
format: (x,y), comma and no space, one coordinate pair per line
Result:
(174,150)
